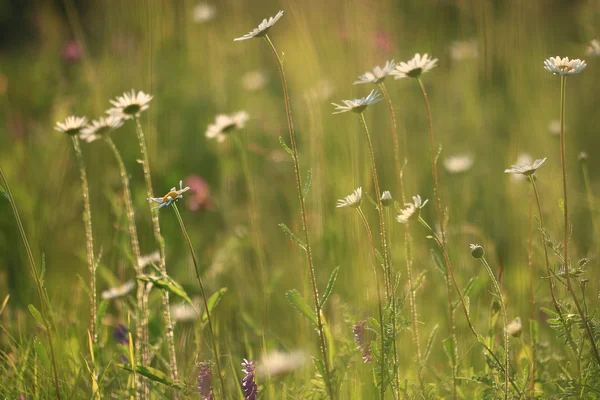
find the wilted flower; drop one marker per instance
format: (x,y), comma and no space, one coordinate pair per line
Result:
(226,123)
(204,382)
(477,251)
(352,200)
(254,80)
(121,335)
(378,74)
(564,66)
(72,125)
(169,197)
(262,29)
(463,50)
(130,105)
(203,12)
(100,127)
(279,363)
(358,105)
(515,328)
(414,67)
(118,291)
(199,196)
(249,387)
(458,163)
(362,344)
(593,48)
(386,198)
(411,210)
(526,169)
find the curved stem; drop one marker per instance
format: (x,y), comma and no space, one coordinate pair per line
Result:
(309,257)
(204,298)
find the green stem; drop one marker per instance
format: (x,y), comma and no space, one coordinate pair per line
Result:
(204,298)
(38,281)
(590,199)
(532,315)
(309,257)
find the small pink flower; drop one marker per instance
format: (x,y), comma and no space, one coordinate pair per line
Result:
(72,51)
(383,42)
(199,195)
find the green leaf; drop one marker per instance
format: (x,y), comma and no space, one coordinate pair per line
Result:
(285,147)
(154,375)
(329,288)
(43,268)
(379,256)
(481,339)
(213,301)
(450,349)
(299,304)
(292,236)
(37,316)
(549,312)
(437,261)
(307,183)
(430,342)
(41,352)
(420,279)
(469,286)
(166,284)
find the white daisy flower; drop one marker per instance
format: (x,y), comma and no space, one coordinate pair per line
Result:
(72,125)
(515,328)
(411,210)
(523,158)
(226,123)
(593,48)
(358,105)
(526,169)
(254,80)
(378,74)
(118,291)
(415,67)
(352,200)
(458,163)
(262,29)
(130,105)
(280,363)
(564,66)
(386,198)
(152,258)
(464,49)
(100,127)
(169,197)
(203,12)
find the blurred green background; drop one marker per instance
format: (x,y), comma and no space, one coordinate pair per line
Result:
(491,99)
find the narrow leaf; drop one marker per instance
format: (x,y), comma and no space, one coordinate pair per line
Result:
(42,354)
(285,147)
(307,183)
(37,316)
(299,304)
(329,288)
(469,286)
(213,301)
(420,279)
(292,236)
(154,375)
(549,312)
(437,261)
(167,284)
(430,342)
(102,307)
(450,349)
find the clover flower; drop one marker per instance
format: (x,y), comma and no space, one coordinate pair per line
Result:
(249,387)
(100,127)
(226,123)
(72,125)
(169,197)
(564,66)
(352,200)
(262,29)
(358,105)
(411,210)
(378,75)
(204,382)
(130,105)
(414,67)
(526,169)
(362,344)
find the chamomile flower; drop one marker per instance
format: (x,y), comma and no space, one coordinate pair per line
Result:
(130,105)
(358,105)
(100,127)
(262,29)
(414,67)
(72,125)
(226,123)
(118,291)
(526,169)
(378,74)
(169,197)
(458,163)
(352,200)
(564,66)
(593,48)
(411,210)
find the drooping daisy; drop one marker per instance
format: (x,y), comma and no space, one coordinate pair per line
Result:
(225,124)
(203,12)
(352,200)
(72,125)
(411,210)
(564,66)
(169,197)
(358,105)
(100,127)
(459,163)
(526,169)
(378,75)
(130,105)
(593,48)
(262,29)
(414,67)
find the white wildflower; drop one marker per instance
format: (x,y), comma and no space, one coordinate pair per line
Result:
(378,75)
(118,291)
(279,363)
(564,66)
(411,210)
(130,105)
(352,200)
(169,197)
(526,169)
(100,127)
(203,12)
(226,123)
(458,163)
(254,80)
(262,29)
(72,125)
(414,67)
(358,105)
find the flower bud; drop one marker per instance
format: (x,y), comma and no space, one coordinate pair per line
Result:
(386,199)
(477,251)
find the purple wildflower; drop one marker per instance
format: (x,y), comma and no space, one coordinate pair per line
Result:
(361,342)
(204,381)
(248,385)
(121,335)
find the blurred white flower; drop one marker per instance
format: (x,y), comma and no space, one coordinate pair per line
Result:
(593,48)
(414,67)
(411,210)
(458,163)
(464,49)
(564,66)
(203,12)
(279,363)
(352,200)
(358,105)
(262,29)
(515,327)
(100,127)
(554,127)
(183,312)
(152,258)
(322,90)
(118,291)
(226,123)
(72,125)
(254,80)
(130,105)
(526,169)
(378,74)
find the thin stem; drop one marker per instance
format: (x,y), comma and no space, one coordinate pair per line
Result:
(89,240)
(204,298)
(584,320)
(532,315)
(173,371)
(504,321)
(590,199)
(309,257)
(38,282)
(379,306)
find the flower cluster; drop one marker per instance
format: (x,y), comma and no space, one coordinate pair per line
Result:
(204,382)
(362,344)
(249,387)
